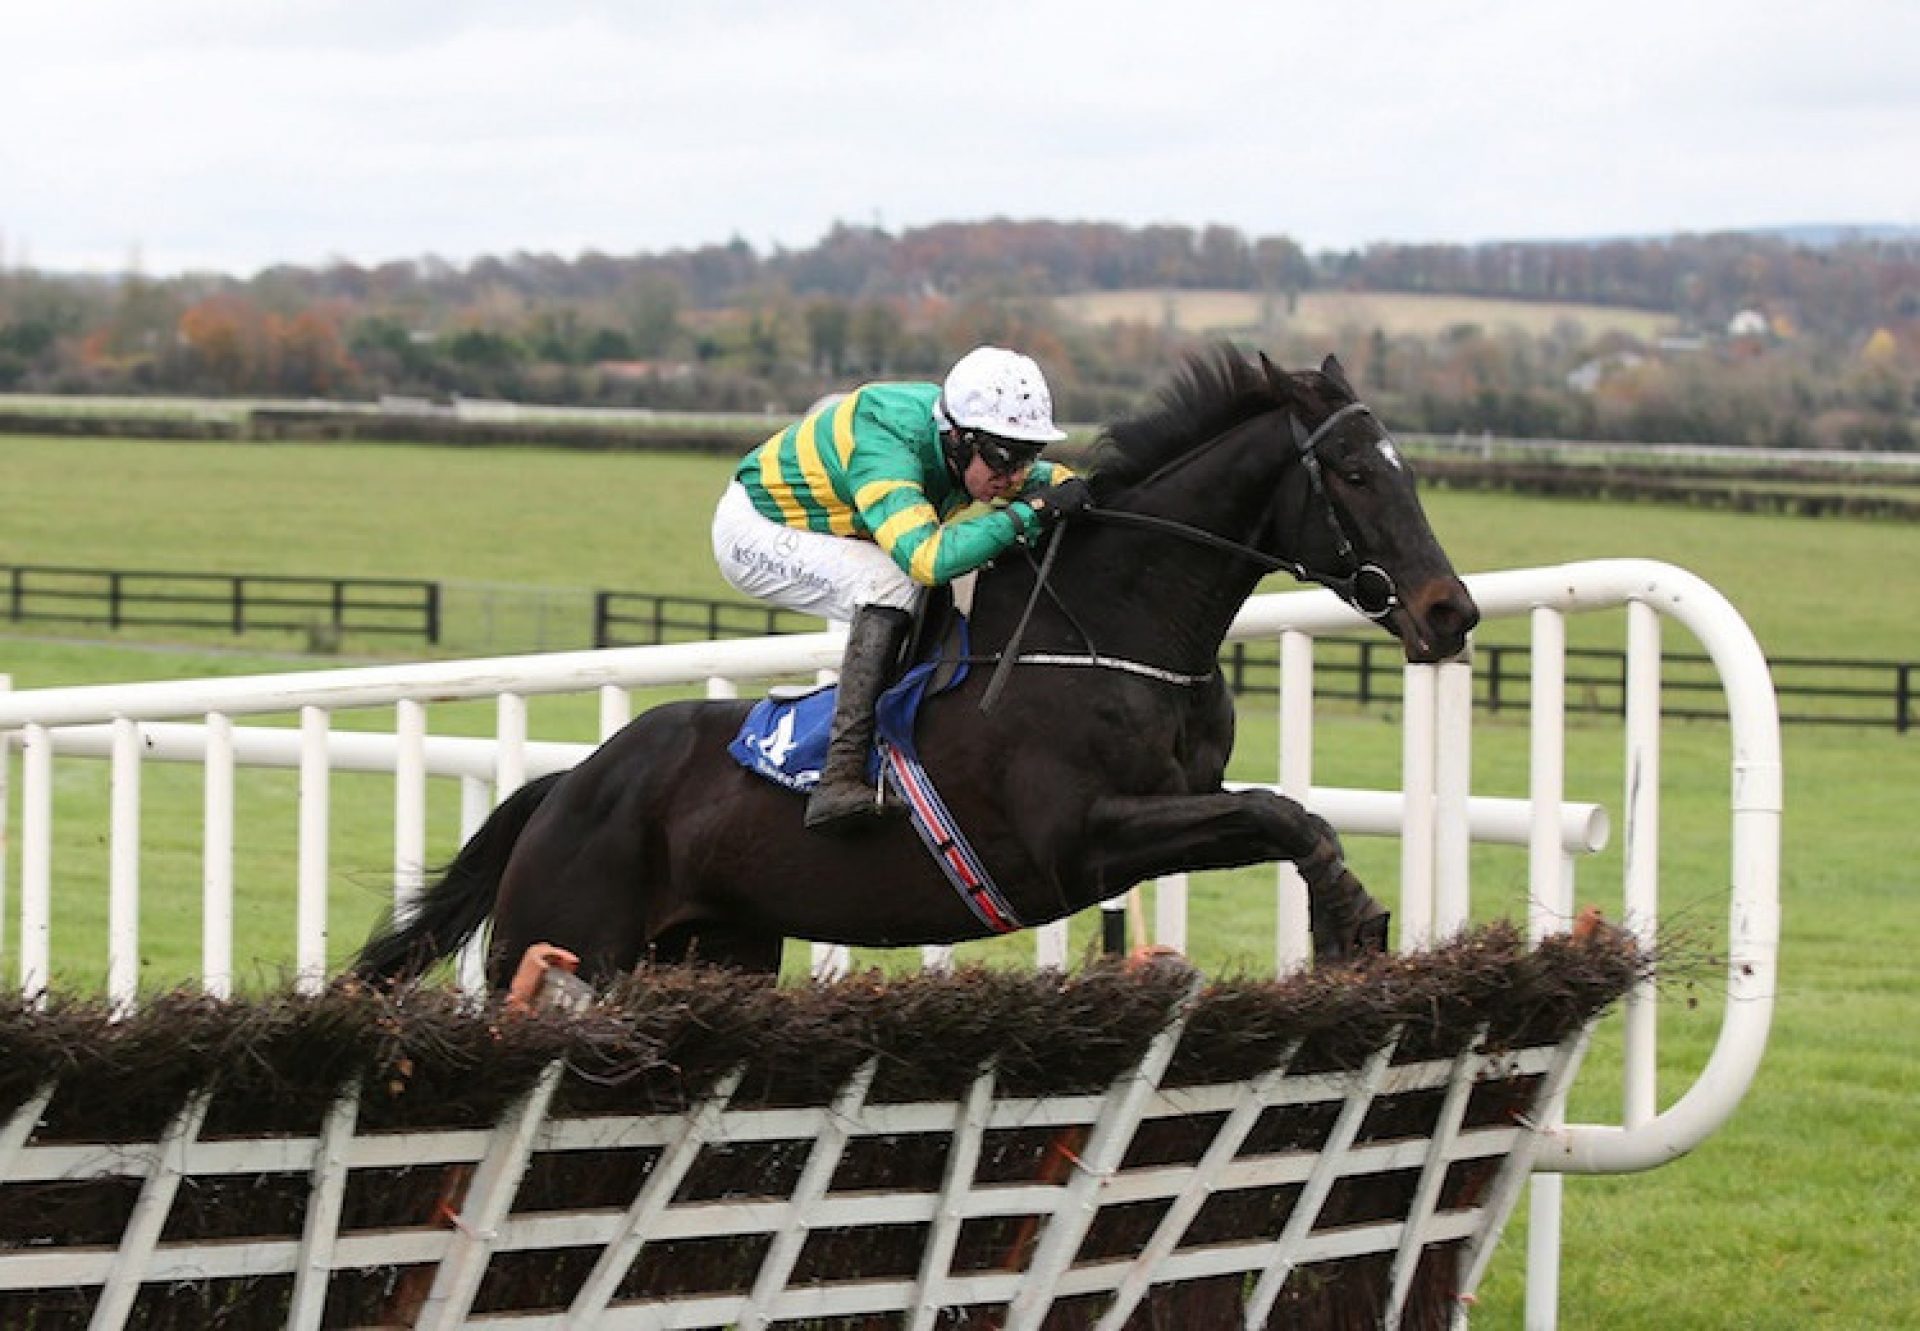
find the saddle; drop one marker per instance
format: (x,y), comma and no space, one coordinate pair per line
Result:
(938,635)
(784,738)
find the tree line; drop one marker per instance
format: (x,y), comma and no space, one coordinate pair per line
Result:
(1829,354)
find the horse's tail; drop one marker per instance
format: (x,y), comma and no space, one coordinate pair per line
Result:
(452,910)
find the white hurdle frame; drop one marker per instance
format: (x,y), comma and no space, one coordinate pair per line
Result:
(1435,815)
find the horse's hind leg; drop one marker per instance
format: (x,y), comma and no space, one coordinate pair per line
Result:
(743,950)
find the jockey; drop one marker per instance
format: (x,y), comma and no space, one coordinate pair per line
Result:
(849,512)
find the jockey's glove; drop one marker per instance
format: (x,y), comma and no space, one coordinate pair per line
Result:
(1054,502)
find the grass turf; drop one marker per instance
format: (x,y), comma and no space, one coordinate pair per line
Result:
(1799,1214)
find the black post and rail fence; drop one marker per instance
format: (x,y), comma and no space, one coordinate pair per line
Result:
(224,602)
(631,619)
(1811,690)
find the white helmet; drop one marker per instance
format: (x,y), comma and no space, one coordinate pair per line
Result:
(1002,393)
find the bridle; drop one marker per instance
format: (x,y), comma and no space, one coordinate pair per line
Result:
(1362,576)
(1362,584)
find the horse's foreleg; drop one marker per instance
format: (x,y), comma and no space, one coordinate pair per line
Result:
(1136,837)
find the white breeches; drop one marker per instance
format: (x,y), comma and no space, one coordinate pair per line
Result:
(811,572)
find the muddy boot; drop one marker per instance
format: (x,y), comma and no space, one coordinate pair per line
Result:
(845,799)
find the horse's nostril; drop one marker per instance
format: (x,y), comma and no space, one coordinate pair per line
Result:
(1453,617)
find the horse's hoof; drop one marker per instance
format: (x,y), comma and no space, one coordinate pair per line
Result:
(1366,937)
(1370,937)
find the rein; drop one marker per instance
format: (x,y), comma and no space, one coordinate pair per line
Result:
(1367,587)
(1006,660)
(1007,657)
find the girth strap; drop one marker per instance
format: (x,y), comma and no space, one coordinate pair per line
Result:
(945,841)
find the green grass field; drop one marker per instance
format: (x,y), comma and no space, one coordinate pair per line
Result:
(1799,1214)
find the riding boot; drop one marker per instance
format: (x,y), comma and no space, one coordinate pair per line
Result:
(845,797)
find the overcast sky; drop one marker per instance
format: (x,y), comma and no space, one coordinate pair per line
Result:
(233,134)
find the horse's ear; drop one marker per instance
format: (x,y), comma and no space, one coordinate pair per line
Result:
(1276,377)
(1338,376)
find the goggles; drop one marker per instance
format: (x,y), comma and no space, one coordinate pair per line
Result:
(1005,456)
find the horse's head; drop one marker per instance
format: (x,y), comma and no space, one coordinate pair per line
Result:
(1298,463)
(1360,529)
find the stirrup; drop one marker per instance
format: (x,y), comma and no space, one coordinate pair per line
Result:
(846,807)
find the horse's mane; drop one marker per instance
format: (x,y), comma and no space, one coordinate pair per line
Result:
(1214,390)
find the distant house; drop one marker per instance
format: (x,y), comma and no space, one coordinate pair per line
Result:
(1749,324)
(1588,377)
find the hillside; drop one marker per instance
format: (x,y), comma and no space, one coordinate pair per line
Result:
(1730,339)
(1336,315)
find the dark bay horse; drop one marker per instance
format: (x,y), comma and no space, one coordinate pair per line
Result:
(1084,777)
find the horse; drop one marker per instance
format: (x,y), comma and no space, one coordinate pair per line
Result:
(1098,765)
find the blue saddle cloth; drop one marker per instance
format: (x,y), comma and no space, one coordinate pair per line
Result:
(785,739)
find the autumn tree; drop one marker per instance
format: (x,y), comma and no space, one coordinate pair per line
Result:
(228,344)
(312,358)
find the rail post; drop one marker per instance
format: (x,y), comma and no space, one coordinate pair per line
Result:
(6,795)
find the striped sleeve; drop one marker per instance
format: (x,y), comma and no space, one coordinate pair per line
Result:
(895,508)
(906,525)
